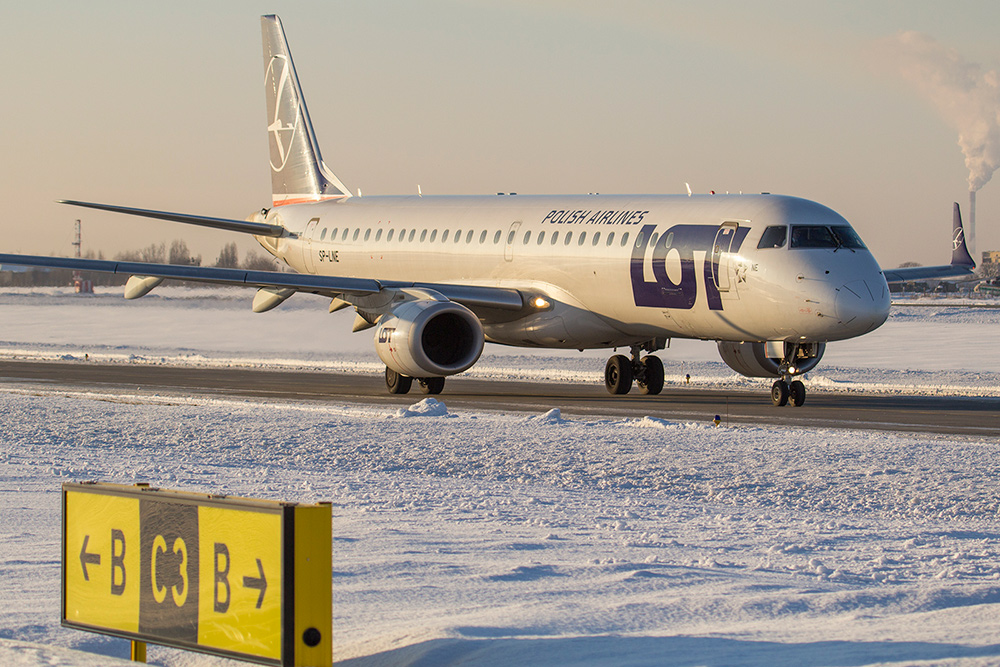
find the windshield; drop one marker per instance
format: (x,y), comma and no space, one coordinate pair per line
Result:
(848,237)
(773,237)
(811,236)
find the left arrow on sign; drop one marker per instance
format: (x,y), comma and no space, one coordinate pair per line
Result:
(258,583)
(88,559)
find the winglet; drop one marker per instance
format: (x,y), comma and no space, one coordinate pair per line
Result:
(297,170)
(959,250)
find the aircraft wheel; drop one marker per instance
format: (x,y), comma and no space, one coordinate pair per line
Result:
(797,393)
(618,374)
(396,383)
(431,385)
(652,382)
(779,393)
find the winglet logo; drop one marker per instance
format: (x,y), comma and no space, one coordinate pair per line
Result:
(285,119)
(956,242)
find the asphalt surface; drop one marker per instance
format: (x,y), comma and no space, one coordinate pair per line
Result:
(929,414)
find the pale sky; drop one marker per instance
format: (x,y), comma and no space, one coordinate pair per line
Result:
(160,105)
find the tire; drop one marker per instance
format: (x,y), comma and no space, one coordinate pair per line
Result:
(396,383)
(431,385)
(618,375)
(779,393)
(797,393)
(652,381)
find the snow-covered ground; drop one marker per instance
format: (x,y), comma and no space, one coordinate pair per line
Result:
(465,537)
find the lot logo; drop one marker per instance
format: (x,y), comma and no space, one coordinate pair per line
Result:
(683,243)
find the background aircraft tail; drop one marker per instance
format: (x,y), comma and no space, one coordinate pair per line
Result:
(959,250)
(297,170)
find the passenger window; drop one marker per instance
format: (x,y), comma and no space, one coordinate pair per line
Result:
(541,237)
(527,237)
(412,233)
(423,235)
(597,238)
(510,237)
(569,237)
(458,236)
(444,236)
(482,237)
(555,237)
(624,239)
(378,235)
(773,237)
(638,239)
(611,239)
(652,239)
(496,237)
(356,232)
(434,234)
(322,234)
(583,237)
(468,237)
(669,240)
(389,237)
(368,234)
(402,235)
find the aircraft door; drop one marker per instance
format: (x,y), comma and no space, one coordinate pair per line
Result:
(721,254)
(307,243)
(508,249)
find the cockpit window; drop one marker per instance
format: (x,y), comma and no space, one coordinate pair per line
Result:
(773,237)
(848,237)
(813,236)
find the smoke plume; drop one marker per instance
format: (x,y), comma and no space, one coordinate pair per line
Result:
(966,96)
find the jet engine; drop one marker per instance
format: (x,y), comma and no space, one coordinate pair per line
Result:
(761,360)
(429,338)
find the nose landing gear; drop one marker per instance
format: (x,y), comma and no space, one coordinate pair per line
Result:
(785,389)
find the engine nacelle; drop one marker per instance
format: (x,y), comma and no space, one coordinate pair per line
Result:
(755,360)
(429,338)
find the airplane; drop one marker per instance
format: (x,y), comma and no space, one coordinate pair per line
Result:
(771,278)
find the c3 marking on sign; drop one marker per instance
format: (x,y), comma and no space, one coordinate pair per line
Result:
(179,592)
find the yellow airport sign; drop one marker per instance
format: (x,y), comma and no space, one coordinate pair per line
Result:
(242,578)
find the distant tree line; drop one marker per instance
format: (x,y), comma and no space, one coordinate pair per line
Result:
(155,253)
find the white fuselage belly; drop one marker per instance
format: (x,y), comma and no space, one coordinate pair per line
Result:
(703,277)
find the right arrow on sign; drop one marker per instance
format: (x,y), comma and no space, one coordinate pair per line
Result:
(95,559)
(257,583)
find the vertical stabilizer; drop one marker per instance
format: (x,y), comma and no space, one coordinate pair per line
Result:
(959,250)
(297,170)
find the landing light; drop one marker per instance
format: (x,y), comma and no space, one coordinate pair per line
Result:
(541,303)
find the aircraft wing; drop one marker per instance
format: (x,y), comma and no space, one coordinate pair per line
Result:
(330,286)
(914,273)
(962,265)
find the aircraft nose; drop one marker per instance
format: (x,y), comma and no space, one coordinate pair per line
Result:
(863,305)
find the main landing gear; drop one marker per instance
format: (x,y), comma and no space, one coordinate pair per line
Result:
(397,383)
(622,371)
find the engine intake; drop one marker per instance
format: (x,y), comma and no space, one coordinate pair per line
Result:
(753,360)
(429,338)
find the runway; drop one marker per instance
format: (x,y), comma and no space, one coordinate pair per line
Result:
(927,414)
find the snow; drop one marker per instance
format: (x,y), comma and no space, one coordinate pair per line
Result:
(490,537)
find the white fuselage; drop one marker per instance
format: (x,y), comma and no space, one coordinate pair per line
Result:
(616,270)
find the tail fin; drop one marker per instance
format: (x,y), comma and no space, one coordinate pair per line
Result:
(297,170)
(959,250)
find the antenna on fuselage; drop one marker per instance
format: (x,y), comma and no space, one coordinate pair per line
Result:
(688,186)
(419,193)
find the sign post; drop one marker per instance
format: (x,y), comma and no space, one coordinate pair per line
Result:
(242,578)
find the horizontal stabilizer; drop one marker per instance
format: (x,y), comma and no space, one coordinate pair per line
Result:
(255,228)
